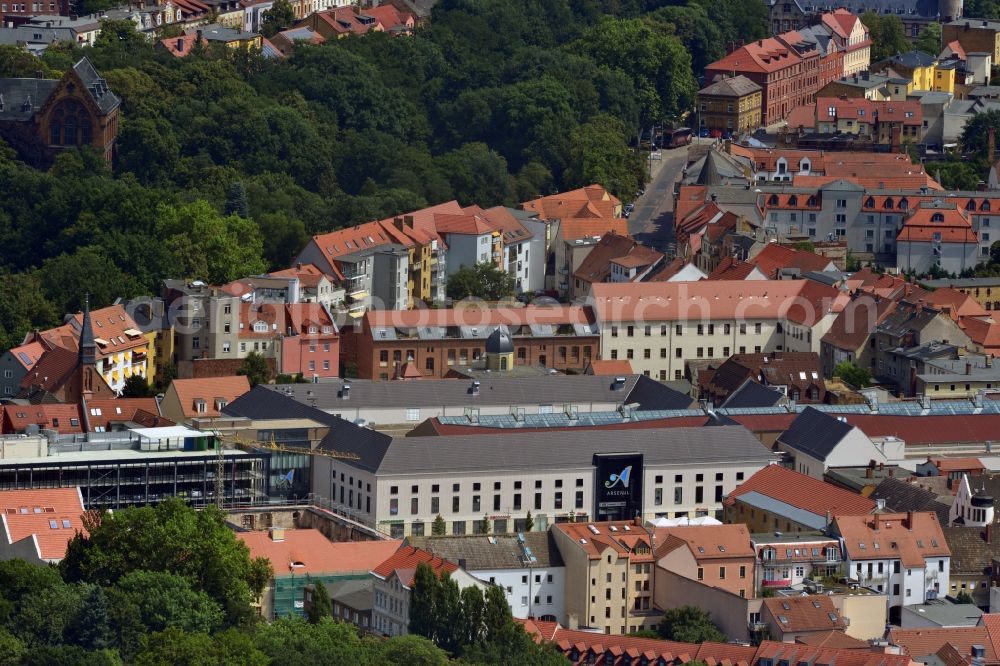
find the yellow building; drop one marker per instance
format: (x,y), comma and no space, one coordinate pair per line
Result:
(730,105)
(924,69)
(983,290)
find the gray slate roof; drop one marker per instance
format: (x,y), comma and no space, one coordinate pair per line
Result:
(736,86)
(558,450)
(493,552)
(106,100)
(753,394)
(815,433)
(454,392)
(22,97)
(358,593)
(902,496)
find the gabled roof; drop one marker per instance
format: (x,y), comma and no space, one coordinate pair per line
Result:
(815,433)
(706,542)
(501,551)
(731,86)
(941,222)
(590,201)
(775,257)
(909,537)
(27,355)
(833,639)
(733,269)
(905,495)
(208,389)
(405,560)
(799,491)
(50,517)
(851,328)
(612,248)
(309,552)
(574,228)
(973,550)
(753,394)
(810,613)
(918,643)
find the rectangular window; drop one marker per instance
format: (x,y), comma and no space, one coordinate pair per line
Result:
(412,414)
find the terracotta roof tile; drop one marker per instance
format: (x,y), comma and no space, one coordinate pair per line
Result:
(810,613)
(803,492)
(919,643)
(307,551)
(52,515)
(405,561)
(207,389)
(911,537)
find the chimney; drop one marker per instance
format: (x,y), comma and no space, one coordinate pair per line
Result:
(909,520)
(988,534)
(277,534)
(408,220)
(881,466)
(968,368)
(398,223)
(868,473)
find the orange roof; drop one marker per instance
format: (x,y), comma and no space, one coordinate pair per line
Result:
(802,301)
(59,417)
(922,642)
(707,542)
(866,110)
(625,538)
(803,492)
(114,332)
(405,560)
(956,48)
(983,331)
(833,639)
(309,552)
(909,536)
(309,275)
(27,355)
(731,269)
(590,201)
(810,613)
(583,227)
(795,653)
(945,223)
(511,228)
(774,257)
(612,248)
(958,464)
(473,222)
(475,316)
(51,517)
(608,368)
(207,389)
(764,55)
(955,303)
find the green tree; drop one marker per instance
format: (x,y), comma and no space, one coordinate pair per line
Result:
(413,651)
(929,39)
(471,617)
(256,369)
(174,538)
(438,527)
(448,615)
(281,15)
(477,175)
(529,522)
(48,616)
(23,307)
(321,605)
(964,597)
(852,374)
(484,281)
(67,278)
(92,628)
(422,601)
(11,649)
(805,246)
(689,624)
(180,648)
(887,35)
(995,252)
(236,200)
(975,135)
(485,525)
(136,386)
(600,154)
(70,655)
(496,615)
(295,642)
(152,601)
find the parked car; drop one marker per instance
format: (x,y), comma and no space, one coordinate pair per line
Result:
(627,210)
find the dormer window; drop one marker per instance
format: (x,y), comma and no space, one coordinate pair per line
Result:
(937,217)
(971,205)
(793,200)
(870,203)
(773,201)
(260,327)
(904,204)
(889,203)
(985,206)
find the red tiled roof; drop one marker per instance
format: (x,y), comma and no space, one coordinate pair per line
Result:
(911,537)
(55,366)
(207,389)
(796,653)
(765,55)
(623,537)
(114,332)
(555,314)
(307,551)
(511,228)
(883,111)
(57,416)
(944,223)
(581,227)
(983,331)
(810,613)
(609,368)
(309,275)
(27,355)
(851,328)
(32,513)
(586,202)
(406,559)
(731,269)
(833,639)
(774,257)
(707,542)
(612,248)
(922,642)
(803,492)
(802,301)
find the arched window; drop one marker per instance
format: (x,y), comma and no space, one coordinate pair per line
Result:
(985,206)
(812,201)
(70,124)
(904,204)
(971,205)
(793,200)
(773,201)
(937,217)
(870,203)
(889,203)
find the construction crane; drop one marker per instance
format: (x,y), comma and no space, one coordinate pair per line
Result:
(272,445)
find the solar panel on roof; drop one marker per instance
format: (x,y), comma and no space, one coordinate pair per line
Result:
(24,358)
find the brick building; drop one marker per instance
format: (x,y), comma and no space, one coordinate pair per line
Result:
(974,35)
(786,67)
(427,344)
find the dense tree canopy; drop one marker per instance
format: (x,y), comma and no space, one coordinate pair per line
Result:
(887,35)
(494,102)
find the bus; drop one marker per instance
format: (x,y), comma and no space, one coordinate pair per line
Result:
(676,138)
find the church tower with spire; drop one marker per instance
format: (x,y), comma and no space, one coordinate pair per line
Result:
(88,348)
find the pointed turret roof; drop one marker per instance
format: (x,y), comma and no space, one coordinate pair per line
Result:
(88,347)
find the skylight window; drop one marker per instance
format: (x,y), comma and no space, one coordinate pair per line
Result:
(66,523)
(54,524)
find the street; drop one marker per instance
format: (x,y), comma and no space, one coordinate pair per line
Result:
(652,221)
